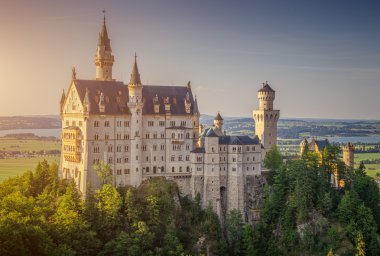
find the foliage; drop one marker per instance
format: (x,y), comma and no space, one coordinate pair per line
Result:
(301,214)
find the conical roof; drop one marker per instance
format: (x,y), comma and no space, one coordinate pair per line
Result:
(266,88)
(195,108)
(218,117)
(103,36)
(135,75)
(63,97)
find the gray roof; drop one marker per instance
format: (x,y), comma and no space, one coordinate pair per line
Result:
(211,133)
(266,88)
(322,143)
(238,140)
(116,97)
(218,117)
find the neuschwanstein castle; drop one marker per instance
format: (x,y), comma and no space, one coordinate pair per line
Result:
(144,131)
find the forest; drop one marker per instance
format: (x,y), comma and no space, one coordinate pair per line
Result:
(301,214)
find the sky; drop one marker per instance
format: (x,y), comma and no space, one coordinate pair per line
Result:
(322,57)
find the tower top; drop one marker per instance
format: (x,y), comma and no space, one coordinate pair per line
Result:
(266,88)
(103,35)
(218,117)
(135,75)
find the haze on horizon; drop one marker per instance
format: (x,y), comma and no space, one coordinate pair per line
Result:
(321,57)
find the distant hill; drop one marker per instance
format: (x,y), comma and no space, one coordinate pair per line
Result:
(29,122)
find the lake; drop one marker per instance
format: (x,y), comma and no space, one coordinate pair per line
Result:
(38,132)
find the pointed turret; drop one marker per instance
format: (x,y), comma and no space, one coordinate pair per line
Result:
(86,101)
(63,97)
(103,36)
(196,109)
(104,59)
(62,102)
(135,75)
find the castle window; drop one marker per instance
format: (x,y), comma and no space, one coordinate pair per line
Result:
(234,169)
(154,147)
(137,157)
(253,148)
(247,148)
(154,169)
(110,148)
(233,159)
(144,147)
(183,123)
(172,123)
(187,147)
(173,169)
(187,135)
(187,169)
(126,160)
(161,123)
(162,169)
(126,148)
(179,158)
(118,149)
(126,123)
(253,158)
(137,169)
(147,169)
(173,135)
(212,149)
(155,135)
(162,136)
(162,147)
(106,137)
(187,158)
(126,136)
(96,137)
(150,123)
(162,158)
(106,124)
(172,158)
(137,146)
(118,172)
(110,160)
(253,168)
(247,168)
(147,159)
(180,169)
(126,171)
(154,158)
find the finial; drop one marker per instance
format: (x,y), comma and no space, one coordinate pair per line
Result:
(74,74)
(189,84)
(135,56)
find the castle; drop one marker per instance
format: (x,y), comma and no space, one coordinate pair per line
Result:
(144,131)
(317,146)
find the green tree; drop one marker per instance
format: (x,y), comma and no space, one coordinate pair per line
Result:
(234,231)
(248,240)
(104,171)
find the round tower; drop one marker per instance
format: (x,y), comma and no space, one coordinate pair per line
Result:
(218,123)
(135,105)
(348,154)
(104,59)
(266,118)
(303,146)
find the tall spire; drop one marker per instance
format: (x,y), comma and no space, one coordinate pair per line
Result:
(196,109)
(103,35)
(104,59)
(135,75)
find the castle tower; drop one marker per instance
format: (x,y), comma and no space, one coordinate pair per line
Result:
(348,154)
(218,125)
(104,59)
(266,118)
(135,105)
(303,146)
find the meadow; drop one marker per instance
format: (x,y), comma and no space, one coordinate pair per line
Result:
(12,167)
(371,169)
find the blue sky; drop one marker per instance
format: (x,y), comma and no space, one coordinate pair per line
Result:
(321,57)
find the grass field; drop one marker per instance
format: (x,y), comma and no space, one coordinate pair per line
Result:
(371,169)
(25,145)
(17,166)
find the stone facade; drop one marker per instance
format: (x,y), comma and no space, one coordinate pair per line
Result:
(144,131)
